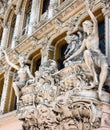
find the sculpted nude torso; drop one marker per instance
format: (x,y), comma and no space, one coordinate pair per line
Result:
(23,72)
(91,52)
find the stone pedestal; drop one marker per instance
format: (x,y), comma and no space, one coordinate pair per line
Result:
(65,100)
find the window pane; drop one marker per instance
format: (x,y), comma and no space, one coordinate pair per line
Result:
(101,37)
(45,6)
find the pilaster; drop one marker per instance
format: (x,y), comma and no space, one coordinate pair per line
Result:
(5,90)
(34,16)
(4,37)
(53,4)
(17,28)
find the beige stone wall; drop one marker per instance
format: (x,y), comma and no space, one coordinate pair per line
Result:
(10,122)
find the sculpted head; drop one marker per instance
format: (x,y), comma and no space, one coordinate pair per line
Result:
(22,60)
(71,37)
(87,26)
(68,37)
(75,37)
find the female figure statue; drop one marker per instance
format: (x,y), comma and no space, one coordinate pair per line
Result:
(24,74)
(92,55)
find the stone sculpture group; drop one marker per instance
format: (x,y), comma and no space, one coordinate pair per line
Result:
(52,100)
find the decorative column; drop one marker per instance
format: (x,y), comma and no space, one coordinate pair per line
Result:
(4,37)
(106,12)
(34,16)
(17,28)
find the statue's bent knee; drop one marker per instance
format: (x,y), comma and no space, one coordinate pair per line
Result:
(87,54)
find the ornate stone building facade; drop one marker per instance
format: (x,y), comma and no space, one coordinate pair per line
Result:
(54,65)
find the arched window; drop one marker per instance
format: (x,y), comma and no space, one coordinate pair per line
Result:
(35,58)
(12,28)
(27,17)
(60,46)
(60,49)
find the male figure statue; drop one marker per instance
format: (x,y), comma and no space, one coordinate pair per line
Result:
(92,55)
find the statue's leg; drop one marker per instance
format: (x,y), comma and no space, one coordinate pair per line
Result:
(90,64)
(17,91)
(103,76)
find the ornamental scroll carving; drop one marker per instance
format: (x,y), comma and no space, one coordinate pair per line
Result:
(64,99)
(52,103)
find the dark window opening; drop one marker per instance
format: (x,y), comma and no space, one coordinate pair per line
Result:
(45,6)
(15,104)
(62,57)
(38,63)
(101,37)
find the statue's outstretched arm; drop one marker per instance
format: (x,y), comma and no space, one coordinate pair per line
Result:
(10,63)
(95,23)
(93,18)
(29,73)
(77,52)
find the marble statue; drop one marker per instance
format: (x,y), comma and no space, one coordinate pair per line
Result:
(91,52)
(74,42)
(44,54)
(66,99)
(24,74)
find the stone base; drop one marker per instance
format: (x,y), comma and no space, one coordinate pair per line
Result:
(66,100)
